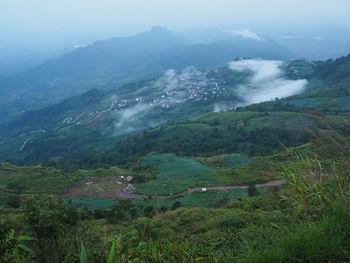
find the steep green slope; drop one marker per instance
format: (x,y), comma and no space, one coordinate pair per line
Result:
(107,123)
(88,123)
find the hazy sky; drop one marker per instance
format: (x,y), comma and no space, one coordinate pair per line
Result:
(88,20)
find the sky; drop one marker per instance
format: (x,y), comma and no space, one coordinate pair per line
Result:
(60,21)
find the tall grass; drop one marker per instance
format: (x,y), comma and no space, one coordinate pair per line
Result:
(307,179)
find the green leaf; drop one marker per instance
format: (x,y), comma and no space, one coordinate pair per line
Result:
(83,256)
(26,238)
(275,225)
(25,248)
(111,253)
(11,234)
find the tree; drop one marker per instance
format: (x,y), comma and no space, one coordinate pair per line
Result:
(252,190)
(215,122)
(162,209)
(176,205)
(133,213)
(14,200)
(12,247)
(16,187)
(149,211)
(119,211)
(51,221)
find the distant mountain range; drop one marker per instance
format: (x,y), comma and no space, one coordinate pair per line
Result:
(113,63)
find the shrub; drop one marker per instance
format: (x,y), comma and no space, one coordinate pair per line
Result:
(14,201)
(252,190)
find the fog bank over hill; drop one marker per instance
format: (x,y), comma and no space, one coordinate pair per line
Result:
(158,101)
(266,82)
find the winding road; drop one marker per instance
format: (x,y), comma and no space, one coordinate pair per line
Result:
(223,188)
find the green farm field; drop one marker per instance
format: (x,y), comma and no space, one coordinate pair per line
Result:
(175,175)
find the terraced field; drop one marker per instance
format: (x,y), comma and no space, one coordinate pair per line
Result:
(175,175)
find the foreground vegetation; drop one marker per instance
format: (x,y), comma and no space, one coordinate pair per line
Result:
(56,211)
(305,221)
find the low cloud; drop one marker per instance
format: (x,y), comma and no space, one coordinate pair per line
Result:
(171,81)
(292,37)
(131,119)
(80,46)
(319,38)
(266,82)
(246,33)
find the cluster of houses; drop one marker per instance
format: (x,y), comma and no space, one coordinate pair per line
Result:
(191,87)
(130,180)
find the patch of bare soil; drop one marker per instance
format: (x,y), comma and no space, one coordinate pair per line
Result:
(106,187)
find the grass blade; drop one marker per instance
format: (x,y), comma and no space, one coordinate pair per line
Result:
(83,256)
(111,254)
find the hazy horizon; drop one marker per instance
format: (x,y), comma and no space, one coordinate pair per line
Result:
(43,22)
(36,30)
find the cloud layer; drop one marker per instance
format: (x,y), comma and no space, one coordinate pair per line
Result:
(266,82)
(167,97)
(246,33)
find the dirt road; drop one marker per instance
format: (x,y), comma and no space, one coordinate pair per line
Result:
(121,194)
(223,188)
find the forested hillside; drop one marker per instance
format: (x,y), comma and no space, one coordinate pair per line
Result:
(178,108)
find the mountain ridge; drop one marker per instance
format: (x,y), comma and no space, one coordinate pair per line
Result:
(113,63)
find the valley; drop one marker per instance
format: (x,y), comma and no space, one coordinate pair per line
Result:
(242,161)
(110,64)
(97,118)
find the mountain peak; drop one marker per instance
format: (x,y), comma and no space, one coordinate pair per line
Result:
(159,29)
